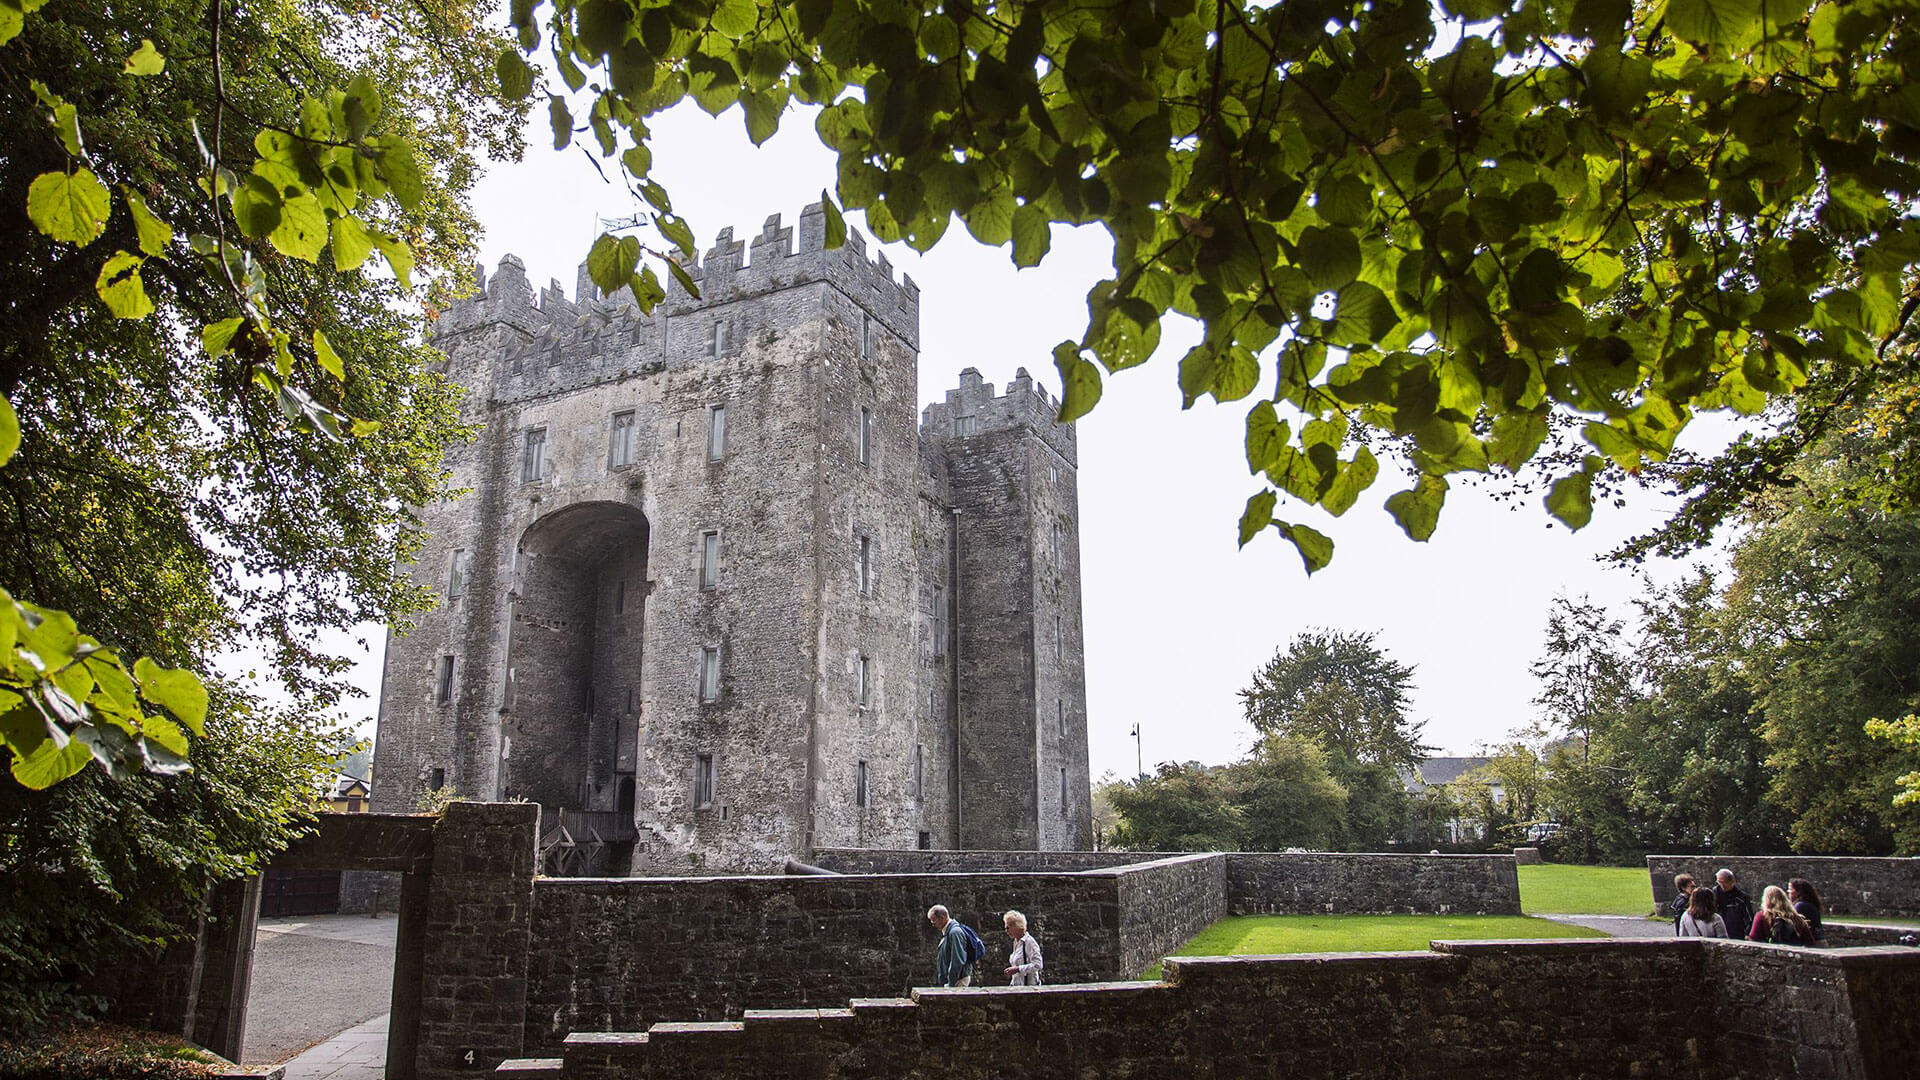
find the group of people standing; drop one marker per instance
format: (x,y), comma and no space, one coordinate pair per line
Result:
(1789,916)
(955,960)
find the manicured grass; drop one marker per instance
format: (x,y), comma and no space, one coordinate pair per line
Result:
(1261,935)
(1550,888)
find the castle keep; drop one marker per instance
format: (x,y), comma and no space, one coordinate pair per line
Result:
(718,590)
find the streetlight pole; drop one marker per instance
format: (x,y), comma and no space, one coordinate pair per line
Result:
(1139,771)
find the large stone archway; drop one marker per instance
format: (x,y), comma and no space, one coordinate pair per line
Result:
(574,657)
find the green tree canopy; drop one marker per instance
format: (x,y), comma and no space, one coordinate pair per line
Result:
(1340,690)
(1447,228)
(1181,807)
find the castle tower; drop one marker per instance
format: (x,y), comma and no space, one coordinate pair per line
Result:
(1019,679)
(684,594)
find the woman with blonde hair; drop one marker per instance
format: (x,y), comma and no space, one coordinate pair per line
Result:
(1777,922)
(1023,963)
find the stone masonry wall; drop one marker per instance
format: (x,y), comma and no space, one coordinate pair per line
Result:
(1847,885)
(879,861)
(1163,904)
(1323,883)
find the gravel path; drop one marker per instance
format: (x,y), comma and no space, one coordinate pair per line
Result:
(314,978)
(1621,926)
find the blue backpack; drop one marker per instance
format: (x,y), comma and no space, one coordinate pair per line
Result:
(976,949)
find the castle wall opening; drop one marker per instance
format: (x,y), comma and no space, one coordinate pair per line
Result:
(579,622)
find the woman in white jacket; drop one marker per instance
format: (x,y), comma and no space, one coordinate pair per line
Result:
(1023,963)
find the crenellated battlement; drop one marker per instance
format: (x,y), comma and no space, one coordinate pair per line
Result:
(732,270)
(973,409)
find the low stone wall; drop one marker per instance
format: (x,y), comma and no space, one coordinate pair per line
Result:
(876,861)
(1663,1009)
(1164,904)
(1848,885)
(1844,934)
(1317,884)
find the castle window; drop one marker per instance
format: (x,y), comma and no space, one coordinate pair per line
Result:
(709,559)
(866,436)
(443,682)
(1053,473)
(1065,807)
(1056,544)
(939,620)
(717,343)
(1058,646)
(965,425)
(710,673)
(457,564)
(716,433)
(533,460)
(919,774)
(620,449)
(863,564)
(702,781)
(860,794)
(926,840)
(864,677)
(438,779)
(620,598)
(866,336)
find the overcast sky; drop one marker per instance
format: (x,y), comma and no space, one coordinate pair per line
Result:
(1176,617)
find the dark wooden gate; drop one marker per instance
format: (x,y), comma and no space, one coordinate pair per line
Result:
(299,892)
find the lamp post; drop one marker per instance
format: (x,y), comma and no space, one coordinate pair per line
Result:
(1139,772)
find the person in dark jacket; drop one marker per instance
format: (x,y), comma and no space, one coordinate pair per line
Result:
(1682,897)
(1735,906)
(952,961)
(1807,903)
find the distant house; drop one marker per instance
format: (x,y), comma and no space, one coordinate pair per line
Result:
(347,795)
(1435,772)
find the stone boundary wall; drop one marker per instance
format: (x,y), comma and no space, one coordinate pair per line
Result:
(1363,884)
(879,861)
(1848,885)
(1164,904)
(1655,1009)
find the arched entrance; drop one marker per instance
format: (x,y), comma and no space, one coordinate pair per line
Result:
(574,661)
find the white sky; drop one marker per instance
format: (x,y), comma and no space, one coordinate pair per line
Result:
(1176,618)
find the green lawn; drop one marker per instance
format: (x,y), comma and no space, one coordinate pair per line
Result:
(1259,935)
(1585,890)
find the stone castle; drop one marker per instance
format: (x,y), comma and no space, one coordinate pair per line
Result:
(719,592)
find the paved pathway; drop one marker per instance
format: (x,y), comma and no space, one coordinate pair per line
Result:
(1621,926)
(320,979)
(358,1053)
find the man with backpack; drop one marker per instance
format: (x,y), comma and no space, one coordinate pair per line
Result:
(960,948)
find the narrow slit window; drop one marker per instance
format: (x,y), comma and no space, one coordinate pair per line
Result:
(710,673)
(709,559)
(620,597)
(438,779)
(716,433)
(863,564)
(717,342)
(866,336)
(457,565)
(919,774)
(860,786)
(620,448)
(443,682)
(1059,647)
(866,436)
(533,459)
(1065,806)
(939,620)
(703,780)
(864,680)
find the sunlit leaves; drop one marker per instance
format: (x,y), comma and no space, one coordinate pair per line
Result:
(1418,508)
(612,262)
(9,431)
(146,60)
(69,207)
(1079,381)
(119,286)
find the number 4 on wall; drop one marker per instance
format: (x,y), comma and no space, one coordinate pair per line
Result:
(471,1059)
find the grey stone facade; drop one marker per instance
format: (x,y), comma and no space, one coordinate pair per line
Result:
(714,573)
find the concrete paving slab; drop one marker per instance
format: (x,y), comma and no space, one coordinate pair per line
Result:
(317,977)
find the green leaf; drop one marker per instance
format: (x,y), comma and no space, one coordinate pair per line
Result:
(1267,438)
(516,77)
(64,117)
(762,111)
(612,261)
(990,219)
(1515,438)
(9,444)
(1571,500)
(256,206)
(70,207)
(1364,315)
(146,60)
(1732,23)
(1418,508)
(735,18)
(49,764)
(154,234)
(1315,549)
(1329,257)
(1258,515)
(329,360)
(836,224)
(399,257)
(1079,382)
(1347,485)
(401,172)
(685,279)
(676,230)
(217,337)
(1032,235)
(646,289)
(120,287)
(302,232)
(352,243)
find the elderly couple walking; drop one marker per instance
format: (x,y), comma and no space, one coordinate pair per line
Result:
(954,960)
